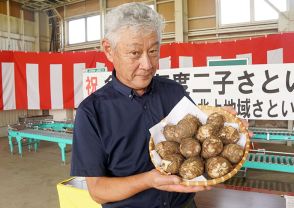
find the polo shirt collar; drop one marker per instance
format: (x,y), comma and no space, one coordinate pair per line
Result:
(125,90)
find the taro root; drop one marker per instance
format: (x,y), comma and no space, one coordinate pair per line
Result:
(166,148)
(190,123)
(217,120)
(229,135)
(172,163)
(190,147)
(191,168)
(184,129)
(211,147)
(170,134)
(217,167)
(233,152)
(205,132)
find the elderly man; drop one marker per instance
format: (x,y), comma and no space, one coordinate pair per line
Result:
(111,136)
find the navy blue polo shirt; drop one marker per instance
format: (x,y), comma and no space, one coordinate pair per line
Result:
(111,136)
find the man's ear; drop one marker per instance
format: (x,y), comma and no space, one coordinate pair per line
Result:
(107,49)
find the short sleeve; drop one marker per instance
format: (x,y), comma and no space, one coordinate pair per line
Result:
(88,155)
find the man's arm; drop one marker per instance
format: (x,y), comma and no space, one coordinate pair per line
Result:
(106,189)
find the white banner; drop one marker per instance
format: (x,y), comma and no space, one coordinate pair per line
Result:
(32,76)
(255,91)
(78,83)
(56,86)
(8,87)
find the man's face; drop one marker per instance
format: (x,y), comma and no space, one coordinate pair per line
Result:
(135,58)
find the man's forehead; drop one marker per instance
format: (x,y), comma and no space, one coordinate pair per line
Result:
(133,36)
(149,42)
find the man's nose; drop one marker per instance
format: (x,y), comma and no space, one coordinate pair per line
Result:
(145,62)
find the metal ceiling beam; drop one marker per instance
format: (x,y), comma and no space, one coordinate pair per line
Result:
(42,5)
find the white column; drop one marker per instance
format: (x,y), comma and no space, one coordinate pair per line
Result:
(290,125)
(181,21)
(8,25)
(22,30)
(69,114)
(291,28)
(102,4)
(37,32)
(291,15)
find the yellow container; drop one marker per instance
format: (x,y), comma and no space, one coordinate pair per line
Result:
(72,193)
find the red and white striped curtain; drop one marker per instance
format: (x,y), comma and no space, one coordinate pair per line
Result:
(270,49)
(54,80)
(44,80)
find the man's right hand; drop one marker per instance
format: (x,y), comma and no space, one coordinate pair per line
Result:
(112,189)
(171,183)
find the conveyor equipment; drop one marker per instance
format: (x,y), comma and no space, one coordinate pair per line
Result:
(272,135)
(34,136)
(270,160)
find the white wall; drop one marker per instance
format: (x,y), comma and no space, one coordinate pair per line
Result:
(17,40)
(62,115)
(9,117)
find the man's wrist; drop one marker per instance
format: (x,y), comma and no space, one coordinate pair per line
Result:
(147,179)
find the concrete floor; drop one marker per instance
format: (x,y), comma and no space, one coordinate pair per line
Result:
(227,198)
(30,181)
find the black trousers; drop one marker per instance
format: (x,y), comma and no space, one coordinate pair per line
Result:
(190,204)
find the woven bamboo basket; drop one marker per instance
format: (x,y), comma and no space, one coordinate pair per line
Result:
(228,118)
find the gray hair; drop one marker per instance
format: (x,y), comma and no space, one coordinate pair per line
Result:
(134,15)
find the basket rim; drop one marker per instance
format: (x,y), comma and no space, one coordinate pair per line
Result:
(236,168)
